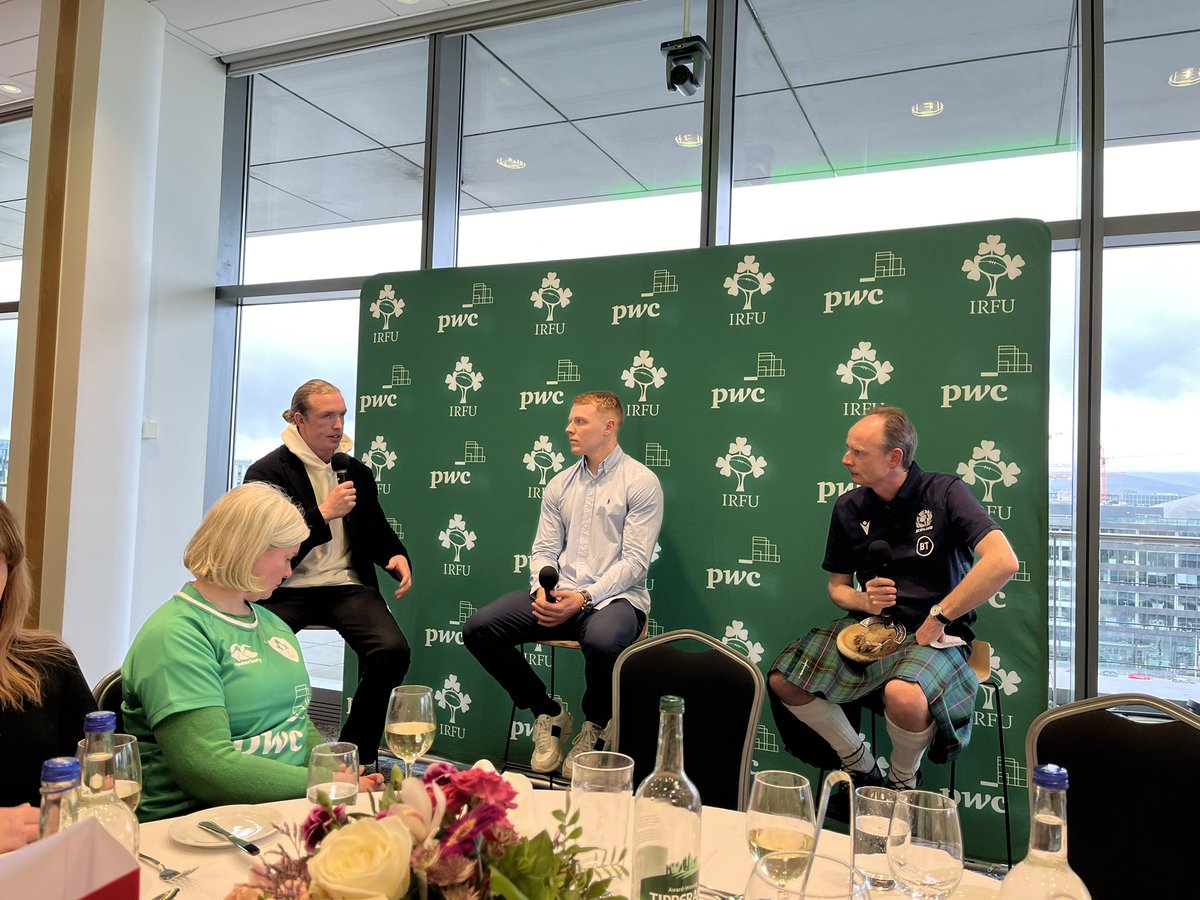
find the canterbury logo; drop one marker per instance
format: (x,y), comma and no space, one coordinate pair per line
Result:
(242,652)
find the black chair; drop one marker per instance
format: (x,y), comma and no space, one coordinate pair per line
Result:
(108,696)
(723,695)
(1131,759)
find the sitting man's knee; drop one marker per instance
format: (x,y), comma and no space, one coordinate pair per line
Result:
(785,690)
(905,699)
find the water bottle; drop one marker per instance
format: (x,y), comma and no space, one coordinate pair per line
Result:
(60,795)
(666,808)
(1044,873)
(98,796)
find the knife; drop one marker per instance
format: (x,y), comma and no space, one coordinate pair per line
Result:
(248,847)
(168,895)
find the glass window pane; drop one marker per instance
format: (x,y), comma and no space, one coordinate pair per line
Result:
(14,181)
(866,115)
(337,150)
(572,144)
(1150,474)
(1151,106)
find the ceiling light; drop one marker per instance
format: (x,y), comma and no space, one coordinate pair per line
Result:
(1185,77)
(689,140)
(10,88)
(411,2)
(510,162)
(927,109)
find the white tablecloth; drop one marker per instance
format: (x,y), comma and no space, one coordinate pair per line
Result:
(724,858)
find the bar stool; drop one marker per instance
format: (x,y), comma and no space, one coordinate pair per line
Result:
(505,764)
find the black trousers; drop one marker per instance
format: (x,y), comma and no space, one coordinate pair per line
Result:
(494,633)
(360,615)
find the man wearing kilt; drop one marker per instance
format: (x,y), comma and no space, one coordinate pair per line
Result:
(932,524)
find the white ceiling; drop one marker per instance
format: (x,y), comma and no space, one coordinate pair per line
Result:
(217,27)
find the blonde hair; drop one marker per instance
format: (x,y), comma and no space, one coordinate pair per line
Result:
(20,647)
(301,397)
(241,527)
(605,402)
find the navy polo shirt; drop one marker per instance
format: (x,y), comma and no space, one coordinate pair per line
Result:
(932,524)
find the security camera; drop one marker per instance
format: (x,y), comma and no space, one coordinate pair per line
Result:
(685,63)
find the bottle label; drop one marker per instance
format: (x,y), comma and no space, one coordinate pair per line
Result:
(681,881)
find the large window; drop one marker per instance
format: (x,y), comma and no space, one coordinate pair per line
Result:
(572,145)
(14,179)
(337,148)
(853,116)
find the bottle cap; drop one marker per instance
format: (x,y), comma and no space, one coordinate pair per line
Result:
(670,703)
(96,722)
(1050,776)
(60,768)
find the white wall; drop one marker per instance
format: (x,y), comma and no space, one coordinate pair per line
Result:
(179,344)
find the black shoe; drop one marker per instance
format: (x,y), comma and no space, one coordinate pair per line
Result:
(839,800)
(917,782)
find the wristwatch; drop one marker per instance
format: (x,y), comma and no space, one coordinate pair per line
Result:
(936,613)
(588,603)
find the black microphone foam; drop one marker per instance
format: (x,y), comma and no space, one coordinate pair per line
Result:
(880,553)
(548,579)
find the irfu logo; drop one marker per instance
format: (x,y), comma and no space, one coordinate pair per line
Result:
(643,374)
(986,467)
(864,367)
(460,538)
(544,460)
(992,263)
(738,637)
(379,458)
(748,280)
(454,698)
(386,306)
(550,296)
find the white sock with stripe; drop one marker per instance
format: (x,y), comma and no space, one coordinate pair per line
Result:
(828,720)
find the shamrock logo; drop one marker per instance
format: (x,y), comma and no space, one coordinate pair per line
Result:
(551,295)
(749,280)
(379,457)
(985,466)
(864,367)
(542,458)
(644,374)
(992,263)
(457,536)
(464,378)
(741,462)
(387,306)
(451,697)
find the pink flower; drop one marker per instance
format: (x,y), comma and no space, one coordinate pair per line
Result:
(319,823)
(486,786)
(443,775)
(461,836)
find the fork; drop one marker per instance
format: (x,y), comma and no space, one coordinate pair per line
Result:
(166,873)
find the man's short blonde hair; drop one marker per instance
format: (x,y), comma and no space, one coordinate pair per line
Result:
(605,402)
(240,528)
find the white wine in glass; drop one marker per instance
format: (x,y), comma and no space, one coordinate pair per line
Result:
(410,725)
(779,817)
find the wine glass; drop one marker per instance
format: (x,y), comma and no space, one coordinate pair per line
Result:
(127,769)
(410,724)
(925,848)
(779,816)
(789,875)
(333,771)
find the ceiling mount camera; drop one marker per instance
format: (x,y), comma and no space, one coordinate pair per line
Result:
(685,63)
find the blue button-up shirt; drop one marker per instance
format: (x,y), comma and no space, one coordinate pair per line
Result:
(599,531)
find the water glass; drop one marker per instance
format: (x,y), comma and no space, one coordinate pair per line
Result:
(789,875)
(333,771)
(602,792)
(779,816)
(872,818)
(925,847)
(127,769)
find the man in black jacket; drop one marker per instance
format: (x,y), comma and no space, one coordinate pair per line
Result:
(333,582)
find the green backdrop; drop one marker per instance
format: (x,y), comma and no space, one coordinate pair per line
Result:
(741,368)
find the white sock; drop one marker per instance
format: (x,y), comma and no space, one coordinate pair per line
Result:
(907,749)
(828,720)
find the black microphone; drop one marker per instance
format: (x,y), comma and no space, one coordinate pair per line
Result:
(880,554)
(548,579)
(340,475)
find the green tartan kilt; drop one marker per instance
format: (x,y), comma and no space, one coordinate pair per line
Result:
(814,664)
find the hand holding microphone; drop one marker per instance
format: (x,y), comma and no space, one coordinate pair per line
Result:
(880,590)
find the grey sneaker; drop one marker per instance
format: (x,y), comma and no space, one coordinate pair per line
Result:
(548,746)
(589,736)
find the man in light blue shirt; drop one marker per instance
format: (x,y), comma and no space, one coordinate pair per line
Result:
(599,523)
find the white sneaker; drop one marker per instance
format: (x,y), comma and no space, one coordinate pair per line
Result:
(585,741)
(547,746)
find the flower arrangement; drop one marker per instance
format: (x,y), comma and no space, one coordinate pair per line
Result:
(446,836)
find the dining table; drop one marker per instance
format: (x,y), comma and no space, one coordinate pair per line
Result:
(725,861)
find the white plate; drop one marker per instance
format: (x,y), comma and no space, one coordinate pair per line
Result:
(250,823)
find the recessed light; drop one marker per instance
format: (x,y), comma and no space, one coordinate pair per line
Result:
(689,140)
(10,88)
(927,109)
(410,2)
(1185,77)
(510,162)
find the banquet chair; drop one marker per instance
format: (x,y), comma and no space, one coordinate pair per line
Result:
(108,696)
(506,764)
(723,696)
(1131,759)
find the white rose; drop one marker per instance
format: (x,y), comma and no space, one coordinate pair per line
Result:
(365,860)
